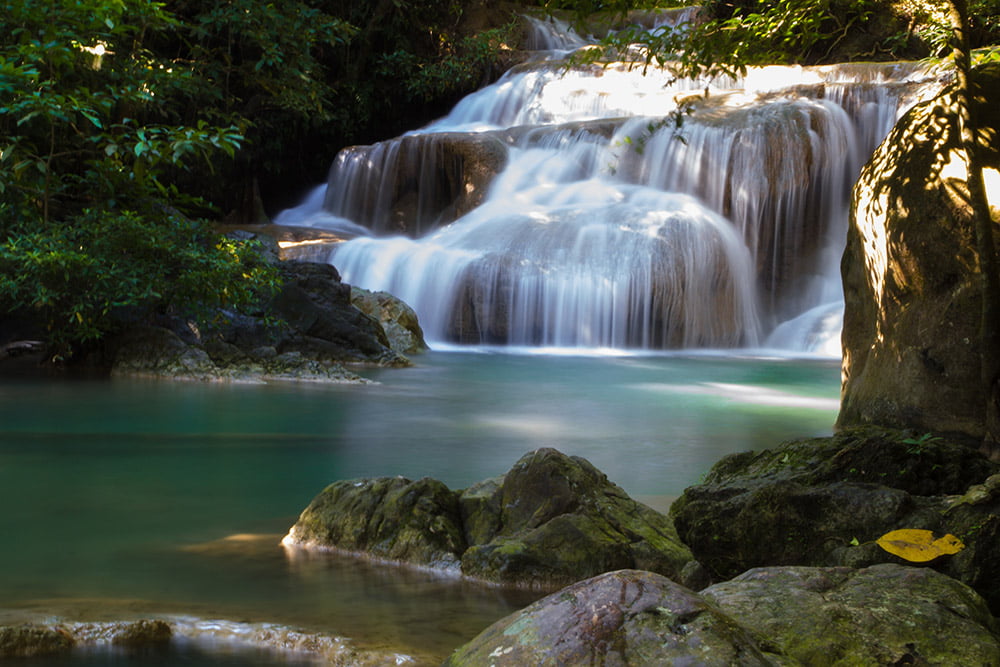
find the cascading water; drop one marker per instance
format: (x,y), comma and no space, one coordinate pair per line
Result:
(606,223)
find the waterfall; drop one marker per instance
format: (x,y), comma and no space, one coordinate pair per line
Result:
(600,207)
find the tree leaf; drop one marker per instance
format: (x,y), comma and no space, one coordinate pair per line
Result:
(919,546)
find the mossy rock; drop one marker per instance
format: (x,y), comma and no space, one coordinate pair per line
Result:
(390,518)
(826,501)
(551,520)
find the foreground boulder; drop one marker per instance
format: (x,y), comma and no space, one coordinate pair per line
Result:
(884,615)
(551,520)
(825,502)
(910,272)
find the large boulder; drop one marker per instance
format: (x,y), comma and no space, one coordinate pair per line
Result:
(880,615)
(551,520)
(627,617)
(398,320)
(883,615)
(911,325)
(825,502)
(554,519)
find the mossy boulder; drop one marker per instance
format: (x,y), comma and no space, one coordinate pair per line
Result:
(387,518)
(627,617)
(552,519)
(881,615)
(781,616)
(825,502)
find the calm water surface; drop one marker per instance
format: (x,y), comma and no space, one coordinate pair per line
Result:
(130,497)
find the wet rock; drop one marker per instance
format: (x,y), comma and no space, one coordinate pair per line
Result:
(389,518)
(22,641)
(626,617)
(782,616)
(881,615)
(551,520)
(825,501)
(911,287)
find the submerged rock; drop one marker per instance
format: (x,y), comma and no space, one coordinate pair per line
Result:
(825,501)
(22,641)
(552,519)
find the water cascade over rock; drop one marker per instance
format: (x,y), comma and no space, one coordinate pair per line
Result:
(564,207)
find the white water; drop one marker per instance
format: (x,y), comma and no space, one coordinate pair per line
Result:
(611,228)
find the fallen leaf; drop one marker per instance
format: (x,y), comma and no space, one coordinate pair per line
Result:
(919,546)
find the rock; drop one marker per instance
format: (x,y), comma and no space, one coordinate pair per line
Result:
(158,352)
(881,615)
(626,617)
(552,519)
(782,616)
(131,634)
(398,320)
(414,183)
(912,294)
(387,518)
(22,641)
(319,330)
(324,324)
(825,501)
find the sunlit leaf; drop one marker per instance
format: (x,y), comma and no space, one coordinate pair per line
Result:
(919,546)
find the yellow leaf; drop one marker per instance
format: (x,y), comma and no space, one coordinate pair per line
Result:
(919,546)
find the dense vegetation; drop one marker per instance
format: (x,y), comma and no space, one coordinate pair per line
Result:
(127,125)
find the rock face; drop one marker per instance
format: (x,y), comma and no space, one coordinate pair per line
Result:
(320,330)
(911,324)
(551,520)
(414,183)
(824,502)
(883,615)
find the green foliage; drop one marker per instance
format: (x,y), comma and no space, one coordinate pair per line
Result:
(92,225)
(87,276)
(470,61)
